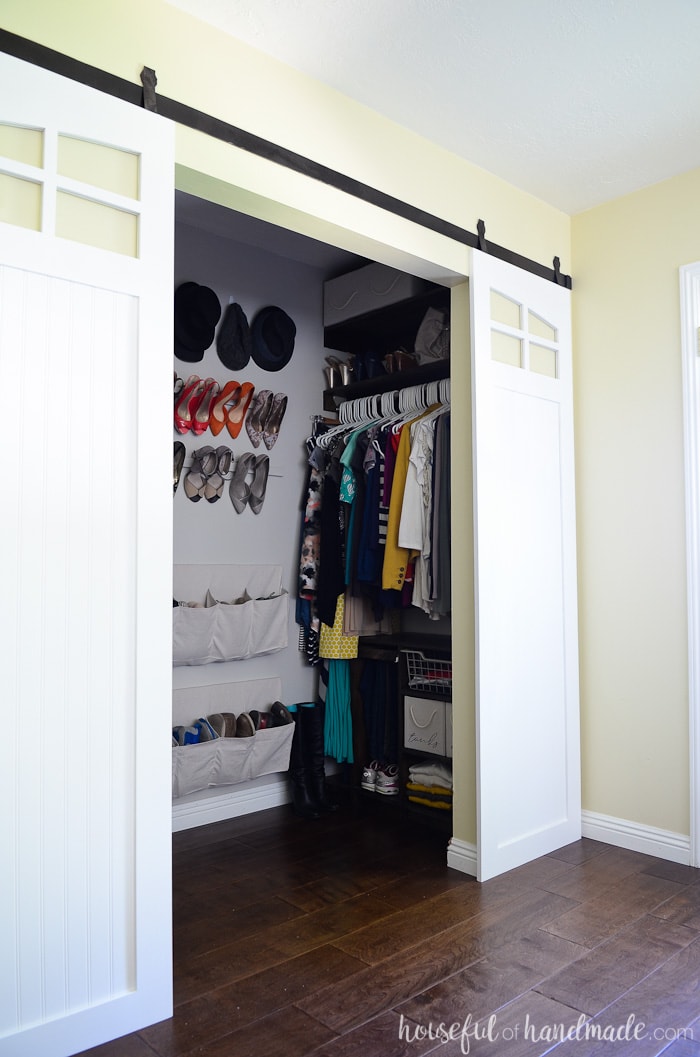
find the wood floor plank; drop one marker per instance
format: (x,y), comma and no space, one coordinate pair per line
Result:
(219,1012)
(526,1027)
(594,921)
(664,1002)
(420,922)
(285,1033)
(216,927)
(493,981)
(682,909)
(406,974)
(602,975)
(579,851)
(385,1035)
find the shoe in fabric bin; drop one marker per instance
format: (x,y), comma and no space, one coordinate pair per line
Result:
(186,735)
(245,727)
(206,731)
(217,723)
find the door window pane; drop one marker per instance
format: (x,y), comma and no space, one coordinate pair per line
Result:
(543,361)
(96,224)
(506,349)
(20,202)
(98,165)
(539,327)
(504,310)
(22,144)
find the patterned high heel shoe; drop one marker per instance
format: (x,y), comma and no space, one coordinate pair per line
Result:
(257,416)
(271,428)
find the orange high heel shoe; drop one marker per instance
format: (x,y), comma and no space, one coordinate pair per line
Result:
(188,403)
(200,421)
(219,414)
(236,415)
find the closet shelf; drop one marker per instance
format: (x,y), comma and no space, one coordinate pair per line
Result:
(384,383)
(387,327)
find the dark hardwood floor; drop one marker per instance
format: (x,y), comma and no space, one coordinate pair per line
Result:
(349,937)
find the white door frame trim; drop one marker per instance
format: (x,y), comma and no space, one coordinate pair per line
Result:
(690,349)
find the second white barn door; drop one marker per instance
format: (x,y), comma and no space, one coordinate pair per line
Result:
(528,768)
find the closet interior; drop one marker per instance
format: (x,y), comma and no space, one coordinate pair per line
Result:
(274,600)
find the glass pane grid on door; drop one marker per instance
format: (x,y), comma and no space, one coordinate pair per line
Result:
(521,338)
(78,189)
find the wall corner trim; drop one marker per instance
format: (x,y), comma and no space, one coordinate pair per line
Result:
(461,856)
(663,843)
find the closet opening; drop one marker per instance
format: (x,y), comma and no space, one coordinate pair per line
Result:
(225,549)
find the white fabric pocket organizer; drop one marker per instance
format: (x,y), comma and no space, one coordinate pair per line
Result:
(227,761)
(228,630)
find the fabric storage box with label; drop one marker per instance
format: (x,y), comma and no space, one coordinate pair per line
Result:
(424,725)
(365,290)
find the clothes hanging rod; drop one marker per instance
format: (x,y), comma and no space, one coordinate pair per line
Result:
(111,84)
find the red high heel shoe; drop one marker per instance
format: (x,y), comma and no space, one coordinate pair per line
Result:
(219,414)
(187,403)
(234,419)
(200,421)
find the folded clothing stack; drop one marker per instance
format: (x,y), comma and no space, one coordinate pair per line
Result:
(430,784)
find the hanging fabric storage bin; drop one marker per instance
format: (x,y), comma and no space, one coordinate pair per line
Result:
(239,611)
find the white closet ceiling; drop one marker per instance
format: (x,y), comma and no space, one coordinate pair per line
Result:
(574,101)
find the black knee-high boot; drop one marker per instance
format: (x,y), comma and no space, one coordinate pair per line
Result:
(302,801)
(313,719)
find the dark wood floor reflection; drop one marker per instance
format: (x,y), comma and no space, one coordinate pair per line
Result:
(350,937)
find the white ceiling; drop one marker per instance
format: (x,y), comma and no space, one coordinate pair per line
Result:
(575,101)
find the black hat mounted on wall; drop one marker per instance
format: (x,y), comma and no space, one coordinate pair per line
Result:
(197,311)
(273,333)
(234,343)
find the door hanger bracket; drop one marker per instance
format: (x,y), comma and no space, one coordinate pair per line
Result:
(149,82)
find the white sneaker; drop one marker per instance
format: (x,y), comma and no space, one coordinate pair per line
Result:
(388,780)
(369,776)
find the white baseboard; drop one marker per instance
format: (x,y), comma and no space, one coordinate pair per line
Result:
(636,837)
(219,804)
(461,856)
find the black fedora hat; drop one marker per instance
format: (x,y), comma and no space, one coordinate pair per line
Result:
(273,333)
(234,343)
(197,311)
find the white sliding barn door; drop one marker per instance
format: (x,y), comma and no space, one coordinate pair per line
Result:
(528,768)
(86,231)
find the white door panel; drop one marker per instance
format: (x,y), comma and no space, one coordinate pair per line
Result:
(528,774)
(86,351)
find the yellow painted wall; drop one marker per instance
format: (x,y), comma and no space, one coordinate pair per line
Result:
(630,493)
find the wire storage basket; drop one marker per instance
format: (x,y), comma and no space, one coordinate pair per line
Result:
(433,675)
